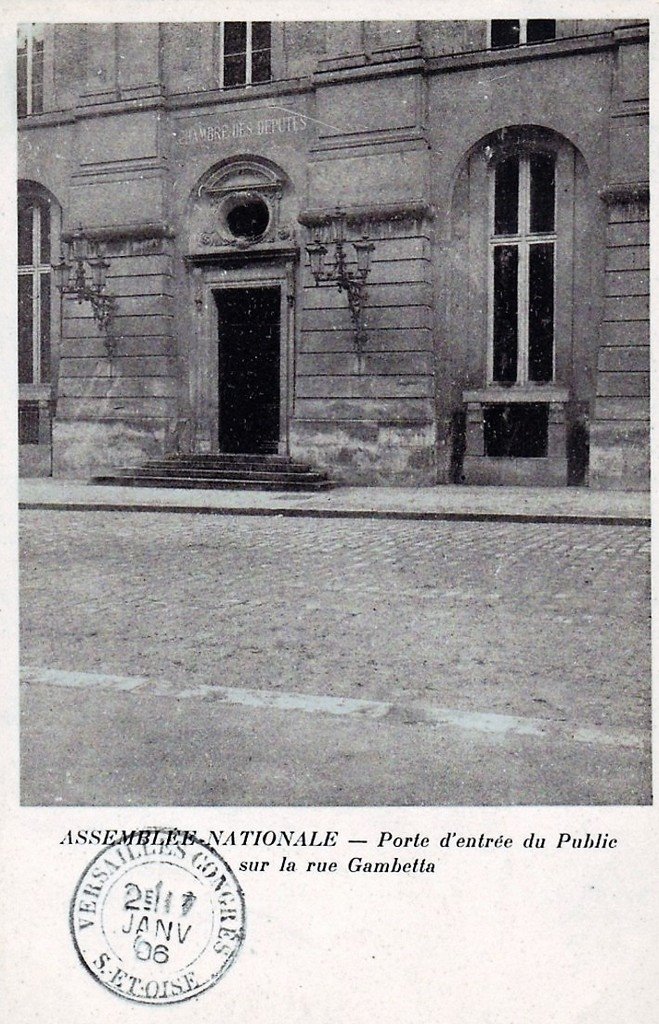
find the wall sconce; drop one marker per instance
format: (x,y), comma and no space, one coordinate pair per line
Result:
(347,278)
(84,275)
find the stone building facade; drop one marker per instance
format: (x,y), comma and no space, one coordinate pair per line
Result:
(498,170)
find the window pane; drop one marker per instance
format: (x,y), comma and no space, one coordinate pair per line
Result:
(543,191)
(25,355)
(21,70)
(235,69)
(235,37)
(37,77)
(539,29)
(44,212)
(261,66)
(504,363)
(45,327)
(541,311)
(260,35)
(24,232)
(506,196)
(504,33)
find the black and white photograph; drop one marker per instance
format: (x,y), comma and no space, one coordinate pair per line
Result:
(332,469)
(334,412)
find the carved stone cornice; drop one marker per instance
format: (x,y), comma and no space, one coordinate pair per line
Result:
(625,193)
(358,216)
(218,258)
(124,232)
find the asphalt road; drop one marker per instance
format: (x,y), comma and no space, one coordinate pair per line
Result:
(176,659)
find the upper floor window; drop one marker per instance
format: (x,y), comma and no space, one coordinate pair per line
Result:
(522,259)
(505,33)
(245,48)
(30,69)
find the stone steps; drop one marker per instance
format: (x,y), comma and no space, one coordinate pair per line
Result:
(217,483)
(220,472)
(237,463)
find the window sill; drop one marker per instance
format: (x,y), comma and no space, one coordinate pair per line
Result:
(35,392)
(516,393)
(521,46)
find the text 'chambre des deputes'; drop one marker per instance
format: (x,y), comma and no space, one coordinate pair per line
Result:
(284,124)
(330,851)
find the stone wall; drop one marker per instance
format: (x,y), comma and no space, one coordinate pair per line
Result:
(370,418)
(117,391)
(620,432)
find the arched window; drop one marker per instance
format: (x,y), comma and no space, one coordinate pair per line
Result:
(519,341)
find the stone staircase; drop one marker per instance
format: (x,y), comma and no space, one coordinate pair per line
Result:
(220,472)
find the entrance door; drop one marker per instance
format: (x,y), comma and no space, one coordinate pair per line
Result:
(248,364)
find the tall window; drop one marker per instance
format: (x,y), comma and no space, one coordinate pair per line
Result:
(522,258)
(245,48)
(505,33)
(30,69)
(34,290)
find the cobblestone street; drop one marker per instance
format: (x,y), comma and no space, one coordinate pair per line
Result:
(544,622)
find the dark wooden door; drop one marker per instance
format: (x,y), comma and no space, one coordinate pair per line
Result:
(248,362)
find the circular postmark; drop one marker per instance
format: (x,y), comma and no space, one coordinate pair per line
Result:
(158,921)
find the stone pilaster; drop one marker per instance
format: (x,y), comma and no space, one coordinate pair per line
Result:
(620,424)
(620,430)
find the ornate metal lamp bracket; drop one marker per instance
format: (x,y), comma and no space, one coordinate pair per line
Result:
(83,273)
(347,276)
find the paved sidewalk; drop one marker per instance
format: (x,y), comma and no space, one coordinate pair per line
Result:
(539,504)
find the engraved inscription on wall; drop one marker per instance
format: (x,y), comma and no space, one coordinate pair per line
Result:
(220,132)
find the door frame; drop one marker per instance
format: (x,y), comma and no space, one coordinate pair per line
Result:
(204,376)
